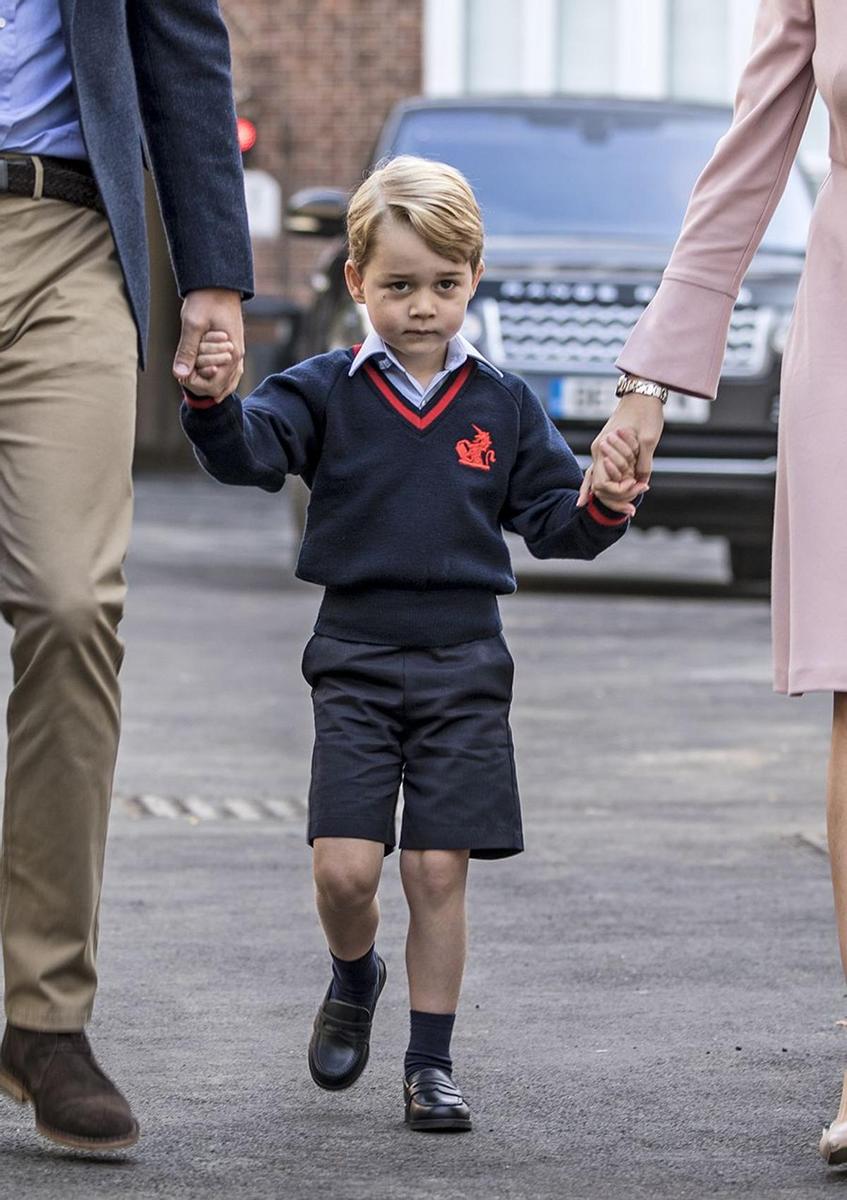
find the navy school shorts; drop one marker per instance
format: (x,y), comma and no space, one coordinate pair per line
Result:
(435,720)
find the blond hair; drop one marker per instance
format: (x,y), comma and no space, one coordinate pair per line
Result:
(432,198)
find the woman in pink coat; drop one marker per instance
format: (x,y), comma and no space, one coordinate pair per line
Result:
(799,45)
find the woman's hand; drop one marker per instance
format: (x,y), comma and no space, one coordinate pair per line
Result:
(642,414)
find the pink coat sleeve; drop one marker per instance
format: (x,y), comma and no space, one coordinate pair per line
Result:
(680,340)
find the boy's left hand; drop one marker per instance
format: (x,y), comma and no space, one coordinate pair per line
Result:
(619,455)
(215,356)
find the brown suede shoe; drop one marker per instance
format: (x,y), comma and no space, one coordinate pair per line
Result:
(75,1104)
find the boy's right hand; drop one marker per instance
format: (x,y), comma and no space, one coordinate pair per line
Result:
(215,353)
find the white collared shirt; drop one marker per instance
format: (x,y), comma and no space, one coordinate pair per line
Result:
(459,349)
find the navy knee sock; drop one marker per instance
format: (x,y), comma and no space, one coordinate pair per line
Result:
(429,1041)
(354,980)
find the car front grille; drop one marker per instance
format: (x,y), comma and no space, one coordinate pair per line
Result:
(584,328)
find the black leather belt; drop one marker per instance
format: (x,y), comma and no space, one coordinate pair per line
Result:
(66,179)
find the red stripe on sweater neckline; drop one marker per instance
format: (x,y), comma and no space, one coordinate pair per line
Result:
(415,419)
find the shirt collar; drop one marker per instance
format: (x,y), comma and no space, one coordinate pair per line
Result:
(459,349)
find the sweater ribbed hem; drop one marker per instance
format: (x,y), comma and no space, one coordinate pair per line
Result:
(409,616)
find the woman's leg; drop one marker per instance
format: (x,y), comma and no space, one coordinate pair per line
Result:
(836,818)
(833,1144)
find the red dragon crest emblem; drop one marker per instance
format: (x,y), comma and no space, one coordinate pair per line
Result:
(477,453)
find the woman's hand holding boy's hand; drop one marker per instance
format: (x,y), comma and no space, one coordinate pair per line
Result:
(215,358)
(618,452)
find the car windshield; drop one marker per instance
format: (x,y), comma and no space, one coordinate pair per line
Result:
(566,172)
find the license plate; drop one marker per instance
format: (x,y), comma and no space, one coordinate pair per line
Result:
(592,398)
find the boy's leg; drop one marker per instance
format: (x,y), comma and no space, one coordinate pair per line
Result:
(347,873)
(434,882)
(357,766)
(461,796)
(356,771)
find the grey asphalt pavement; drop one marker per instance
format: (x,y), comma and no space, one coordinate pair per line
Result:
(652,995)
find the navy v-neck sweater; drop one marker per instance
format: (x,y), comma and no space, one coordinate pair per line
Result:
(405,521)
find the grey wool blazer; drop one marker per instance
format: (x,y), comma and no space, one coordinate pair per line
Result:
(157,72)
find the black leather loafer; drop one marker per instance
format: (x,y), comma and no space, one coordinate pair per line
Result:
(341,1040)
(434,1102)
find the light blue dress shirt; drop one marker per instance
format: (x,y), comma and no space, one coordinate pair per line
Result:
(38,109)
(459,349)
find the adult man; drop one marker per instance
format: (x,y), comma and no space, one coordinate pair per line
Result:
(79,82)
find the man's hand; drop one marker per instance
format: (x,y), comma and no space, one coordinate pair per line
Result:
(210,308)
(215,355)
(643,415)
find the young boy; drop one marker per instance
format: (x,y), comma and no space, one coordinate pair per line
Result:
(418,452)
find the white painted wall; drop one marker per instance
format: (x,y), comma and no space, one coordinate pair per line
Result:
(621,46)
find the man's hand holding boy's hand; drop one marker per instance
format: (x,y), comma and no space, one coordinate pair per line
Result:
(213,367)
(203,310)
(619,454)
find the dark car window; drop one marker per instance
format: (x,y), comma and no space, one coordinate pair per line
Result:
(563,172)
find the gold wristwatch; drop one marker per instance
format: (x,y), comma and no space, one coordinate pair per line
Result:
(643,387)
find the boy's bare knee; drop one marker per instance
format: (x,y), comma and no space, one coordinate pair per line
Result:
(435,876)
(344,885)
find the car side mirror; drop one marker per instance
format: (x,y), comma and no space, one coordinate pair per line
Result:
(316,212)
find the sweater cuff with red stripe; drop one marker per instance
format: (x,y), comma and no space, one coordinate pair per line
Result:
(198,402)
(603,515)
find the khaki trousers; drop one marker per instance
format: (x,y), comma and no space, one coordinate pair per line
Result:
(67,414)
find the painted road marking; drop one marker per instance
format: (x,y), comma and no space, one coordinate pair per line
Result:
(195,809)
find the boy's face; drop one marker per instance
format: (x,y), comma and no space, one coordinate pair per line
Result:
(416,300)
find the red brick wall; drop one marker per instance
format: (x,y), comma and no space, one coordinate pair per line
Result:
(318,77)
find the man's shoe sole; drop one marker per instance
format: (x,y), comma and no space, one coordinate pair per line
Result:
(16,1091)
(13,1088)
(349,1080)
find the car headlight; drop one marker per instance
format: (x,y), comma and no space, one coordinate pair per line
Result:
(347,326)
